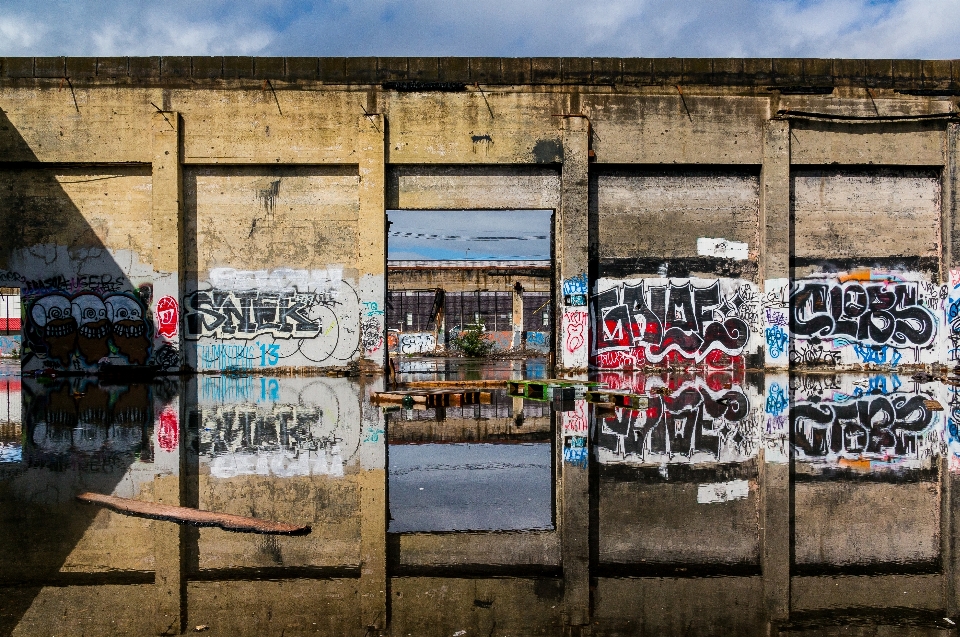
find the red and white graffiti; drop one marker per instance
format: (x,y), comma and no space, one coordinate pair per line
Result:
(168,317)
(576,322)
(168,429)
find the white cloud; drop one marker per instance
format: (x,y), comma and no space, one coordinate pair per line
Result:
(761,28)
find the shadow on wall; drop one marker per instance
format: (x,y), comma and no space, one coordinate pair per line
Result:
(82,301)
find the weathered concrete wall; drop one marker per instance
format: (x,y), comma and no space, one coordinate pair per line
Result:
(178,175)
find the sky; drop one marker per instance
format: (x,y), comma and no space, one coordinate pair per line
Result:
(619,28)
(458,235)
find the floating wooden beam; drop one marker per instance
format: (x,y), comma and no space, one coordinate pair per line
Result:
(196,517)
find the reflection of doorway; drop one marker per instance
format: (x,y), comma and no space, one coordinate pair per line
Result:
(452,270)
(10,342)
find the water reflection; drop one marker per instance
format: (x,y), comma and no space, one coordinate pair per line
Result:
(728,504)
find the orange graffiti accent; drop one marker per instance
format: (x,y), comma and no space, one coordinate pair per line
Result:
(860,464)
(576,323)
(856,275)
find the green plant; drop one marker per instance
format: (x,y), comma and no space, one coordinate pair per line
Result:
(471,341)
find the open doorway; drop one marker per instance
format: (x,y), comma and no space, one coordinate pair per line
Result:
(450,272)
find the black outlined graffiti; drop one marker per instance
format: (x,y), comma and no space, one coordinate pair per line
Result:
(243,315)
(660,319)
(83,328)
(869,313)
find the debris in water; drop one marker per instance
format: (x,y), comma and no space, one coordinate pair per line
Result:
(196,517)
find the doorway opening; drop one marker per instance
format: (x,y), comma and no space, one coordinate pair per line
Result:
(450,272)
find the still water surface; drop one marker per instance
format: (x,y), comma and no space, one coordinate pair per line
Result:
(733,504)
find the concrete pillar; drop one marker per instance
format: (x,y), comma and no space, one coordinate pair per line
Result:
(775,536)
(575,513)
(949,527)
(372,481)
(171,540)
(775,239)
(572,248)
(168,248)
(372,240)
(517,315)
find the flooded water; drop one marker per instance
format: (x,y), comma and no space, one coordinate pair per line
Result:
(729,504)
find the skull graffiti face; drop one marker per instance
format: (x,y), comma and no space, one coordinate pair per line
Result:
(129,328)
(54,319)
(92,326)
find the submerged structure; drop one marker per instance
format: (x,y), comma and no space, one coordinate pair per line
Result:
(222,213)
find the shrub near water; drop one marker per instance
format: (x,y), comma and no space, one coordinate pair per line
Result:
(472,342)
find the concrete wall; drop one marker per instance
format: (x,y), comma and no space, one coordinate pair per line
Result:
(179,178)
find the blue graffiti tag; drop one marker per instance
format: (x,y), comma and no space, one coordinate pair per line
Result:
(576,453)
(777,400)
(777,340)
(876,354)
(575,290)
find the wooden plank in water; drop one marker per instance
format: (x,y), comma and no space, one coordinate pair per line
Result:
(453,384)
(196,517)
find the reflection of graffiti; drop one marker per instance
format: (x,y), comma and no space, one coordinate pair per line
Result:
(576,323)
(882,425)
(649,322)
(371,334)
(168,317)
(777,400)
(693,423)
(777,341)
(575,290)
(168,429)
(874,314)
(417,343)
(85,328)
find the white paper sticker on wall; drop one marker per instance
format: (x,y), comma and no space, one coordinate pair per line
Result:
(707,247)
(722,491)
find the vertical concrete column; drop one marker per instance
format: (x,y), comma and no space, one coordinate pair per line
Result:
(372,482)
(775,535)
(775,242)
(948,530)
(517,315)
(949,226)
(575,513)
(170,540)
(372,240)
(168,249)
(572,248)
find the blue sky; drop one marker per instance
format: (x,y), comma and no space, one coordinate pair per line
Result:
(469,234)
(781,28)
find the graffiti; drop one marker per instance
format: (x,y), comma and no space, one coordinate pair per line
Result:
(576,452)
(871,425)
(777,400)
(650,321)
(537,339)
(227,357)
(372,308)
(777,341)
(576,323)
(168,317)
(167,357)
(168,429)
(691,423)
(242,315)
(875,314)
(371,334)
(85,328)
(776,317)
(814,355)
(417,343)
(575,290)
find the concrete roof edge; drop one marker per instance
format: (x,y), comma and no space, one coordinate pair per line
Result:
(444,73)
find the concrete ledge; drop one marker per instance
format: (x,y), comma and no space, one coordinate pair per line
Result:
(943,75)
